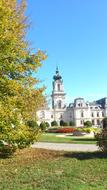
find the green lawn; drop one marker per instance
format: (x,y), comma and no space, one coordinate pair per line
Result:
(47,137)
(37,169)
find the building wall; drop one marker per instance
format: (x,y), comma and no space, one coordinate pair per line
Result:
(78,112)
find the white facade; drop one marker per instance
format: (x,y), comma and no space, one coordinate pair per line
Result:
(78,112)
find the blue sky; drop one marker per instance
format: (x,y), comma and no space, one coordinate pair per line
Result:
(74,35)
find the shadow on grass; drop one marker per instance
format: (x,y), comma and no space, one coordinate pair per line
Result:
(85,155)
(5,156)
(83,139)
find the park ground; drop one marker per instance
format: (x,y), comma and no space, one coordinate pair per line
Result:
(39,169)
(66,138)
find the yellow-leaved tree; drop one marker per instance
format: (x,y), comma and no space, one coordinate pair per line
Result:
(19,96)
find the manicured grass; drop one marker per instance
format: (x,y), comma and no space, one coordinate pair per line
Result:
(37,169)
(47,137)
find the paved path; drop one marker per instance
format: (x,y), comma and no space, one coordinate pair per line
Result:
(66,146)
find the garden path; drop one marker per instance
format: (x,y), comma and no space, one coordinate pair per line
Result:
(66,146)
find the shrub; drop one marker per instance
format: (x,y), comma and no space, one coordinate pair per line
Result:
(32,124)
(79,129)
(71,123)
(105,123)
(87,130)
(43,126)
(65,124)
(61,123)
(102,137)
(102,140)
(6,149)
(54,123)
(47,124)
(87,124)
(19,137)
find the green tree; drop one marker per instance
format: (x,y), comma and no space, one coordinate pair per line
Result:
(19,96)
(54,123)
(47,124)
(87,124)
(71,123)
(61,123)
(104,123)
(43,126)
(102,137)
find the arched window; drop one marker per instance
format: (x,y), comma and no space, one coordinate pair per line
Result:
(59,104)
(59,87)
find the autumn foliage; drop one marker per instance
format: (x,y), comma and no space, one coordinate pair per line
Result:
(19,96)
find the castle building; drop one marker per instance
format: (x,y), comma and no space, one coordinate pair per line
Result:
(78,112)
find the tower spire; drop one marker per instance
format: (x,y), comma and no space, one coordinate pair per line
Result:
(57,71)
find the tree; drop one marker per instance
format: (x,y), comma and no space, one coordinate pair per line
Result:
(43,126)
(87,124)
(102,137)
(71,123)
(104,123)
(61,123)
(19,96)
(32,124)
(54,123)
(47,124)
(65,124)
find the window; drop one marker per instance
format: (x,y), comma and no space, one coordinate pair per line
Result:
(82,114)
(102,114)
(70,116)
(82,122)
(97,114)
(98,122)
(61,116)
(59,104)
(93,122)
(59,87)
(42,114)
(51,116)
(92,114)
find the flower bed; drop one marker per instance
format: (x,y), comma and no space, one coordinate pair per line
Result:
(62,130)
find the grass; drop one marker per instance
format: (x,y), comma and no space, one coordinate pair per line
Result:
(47,137)
(38,169)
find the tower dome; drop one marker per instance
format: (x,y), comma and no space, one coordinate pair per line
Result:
(57,76)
